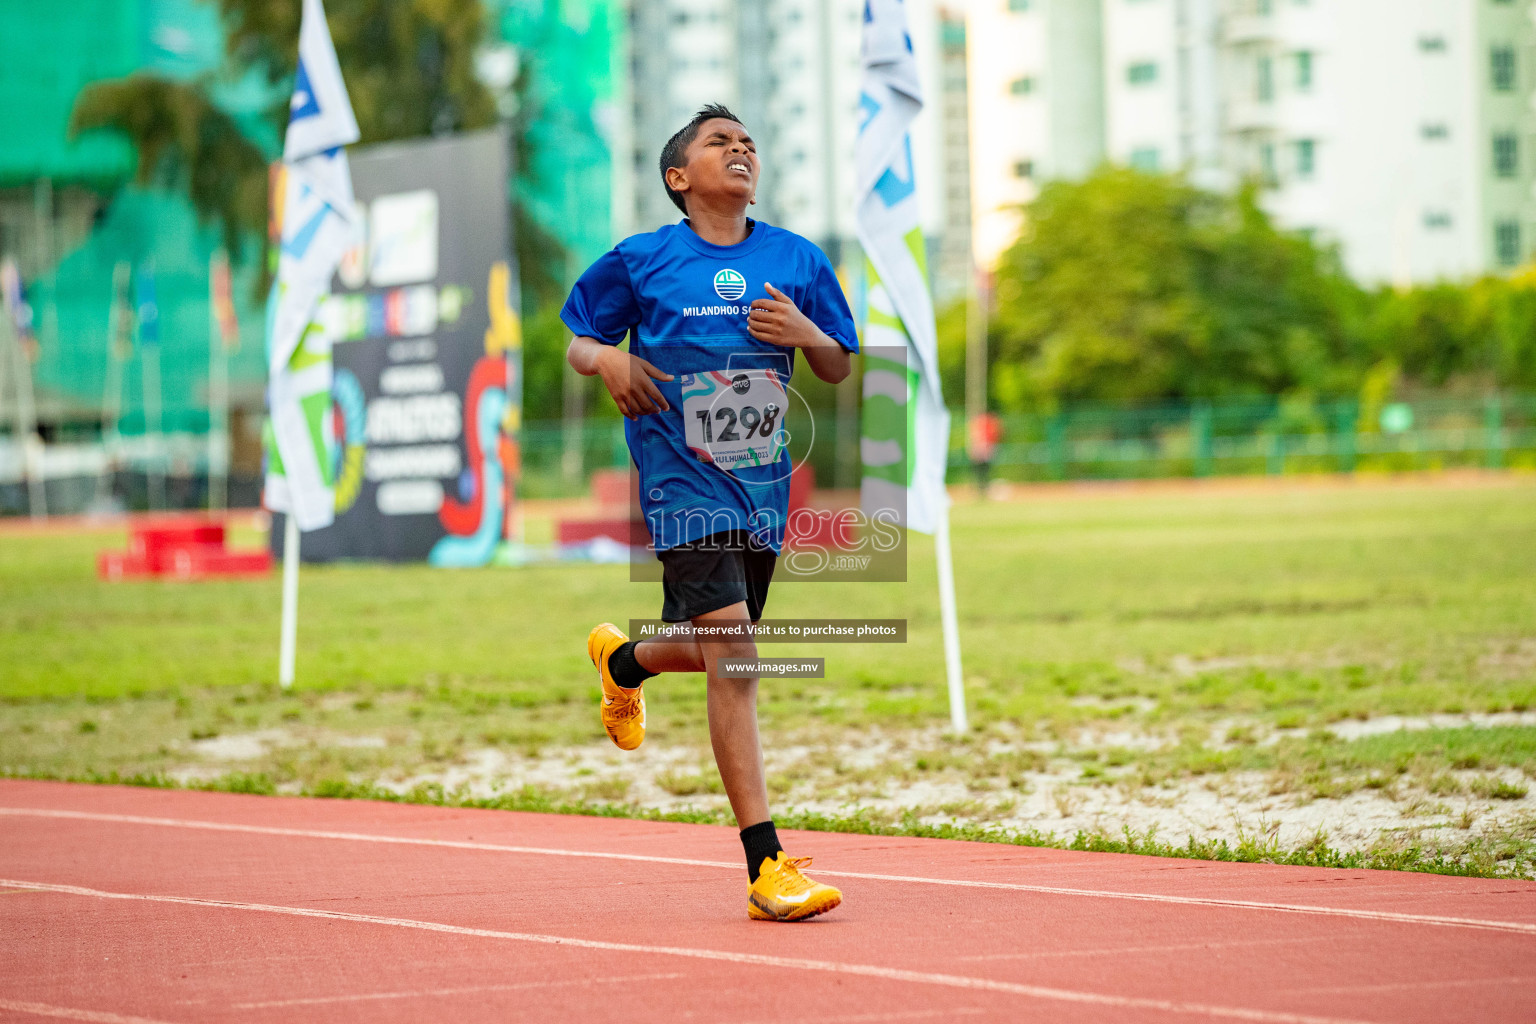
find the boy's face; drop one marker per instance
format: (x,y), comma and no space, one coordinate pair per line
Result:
(721,164)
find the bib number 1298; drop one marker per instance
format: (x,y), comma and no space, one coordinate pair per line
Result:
(735,419)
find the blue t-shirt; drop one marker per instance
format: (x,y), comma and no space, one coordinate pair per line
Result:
(683,304)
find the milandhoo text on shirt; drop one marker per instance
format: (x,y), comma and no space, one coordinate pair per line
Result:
(716,310)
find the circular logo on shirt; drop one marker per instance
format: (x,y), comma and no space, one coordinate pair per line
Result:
(730,285)
(741,384)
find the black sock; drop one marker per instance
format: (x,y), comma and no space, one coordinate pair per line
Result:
(625,668)
(761,841)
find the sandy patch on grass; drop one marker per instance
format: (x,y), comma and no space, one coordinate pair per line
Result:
(1007,780)
(1350,730)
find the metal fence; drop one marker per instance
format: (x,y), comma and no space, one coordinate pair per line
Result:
(1093,442)
(1268,436)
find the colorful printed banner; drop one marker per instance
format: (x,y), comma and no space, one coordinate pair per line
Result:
(426,388)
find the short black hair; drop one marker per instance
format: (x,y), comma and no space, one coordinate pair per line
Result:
(672,152)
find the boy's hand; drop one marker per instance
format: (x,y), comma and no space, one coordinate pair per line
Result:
(779,321)
(628,379)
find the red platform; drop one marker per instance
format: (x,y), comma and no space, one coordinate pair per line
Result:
(188,548)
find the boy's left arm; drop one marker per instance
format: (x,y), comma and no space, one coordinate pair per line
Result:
(779,321)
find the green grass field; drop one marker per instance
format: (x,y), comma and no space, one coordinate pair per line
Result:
(1239,624)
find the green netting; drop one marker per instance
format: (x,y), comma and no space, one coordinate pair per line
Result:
(569,47)
(48,51)
(140,225)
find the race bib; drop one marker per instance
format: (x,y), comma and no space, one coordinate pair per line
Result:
(735,418)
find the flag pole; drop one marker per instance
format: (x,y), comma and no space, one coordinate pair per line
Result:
(29,446)
(150,363)
(289,641)
(890,233)
(112,395)
(951,622)
(148,320)
(314,213)
(218,387)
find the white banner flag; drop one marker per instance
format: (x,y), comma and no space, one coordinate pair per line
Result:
(906,426)
(312,194)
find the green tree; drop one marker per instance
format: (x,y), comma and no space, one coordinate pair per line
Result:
(1459,336)
(1131,287)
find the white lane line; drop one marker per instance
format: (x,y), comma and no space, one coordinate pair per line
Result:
(1433,920)
(438,992)
(71,1013)
(1518,927)
(876,1018)
(1401,985)
(1114,951)
(358,837)
(727,956)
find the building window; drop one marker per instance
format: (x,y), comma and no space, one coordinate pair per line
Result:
(1023,168)
(1432,44)
(1506,155)
(1437,220)
(1502,68)
(1265,79)
(1304,71)
(1022,86)
(1145,158)
(1267,167)
(1506,242)
(1018,6)
(1306,158)
(1263,7)
(1435,131)
(1141,73)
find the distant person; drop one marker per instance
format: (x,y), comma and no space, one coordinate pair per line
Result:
(714,308)
(984,435)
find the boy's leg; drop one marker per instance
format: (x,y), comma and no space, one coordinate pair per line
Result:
(732,703)
(657,655)
(779,892)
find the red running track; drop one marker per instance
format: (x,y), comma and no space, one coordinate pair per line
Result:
(132,905)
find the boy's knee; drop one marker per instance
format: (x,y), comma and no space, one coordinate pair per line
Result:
(733,651)
(742,650)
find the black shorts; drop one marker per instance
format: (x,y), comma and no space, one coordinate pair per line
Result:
(715,572)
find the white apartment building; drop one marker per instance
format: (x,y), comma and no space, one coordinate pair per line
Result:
(790,69)
(1037,107)
(1399,129)
(952,266)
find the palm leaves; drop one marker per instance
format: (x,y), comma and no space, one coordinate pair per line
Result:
(184,141)
(409,66)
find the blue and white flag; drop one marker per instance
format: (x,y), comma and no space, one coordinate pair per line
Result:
(317,218)
(905,439)
(145,306)
(13,297)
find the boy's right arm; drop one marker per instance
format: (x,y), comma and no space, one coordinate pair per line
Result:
(627,377)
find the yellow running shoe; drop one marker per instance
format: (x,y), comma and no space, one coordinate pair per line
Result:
(782,893)
(623,708)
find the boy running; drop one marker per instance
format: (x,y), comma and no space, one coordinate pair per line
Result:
(702,387)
